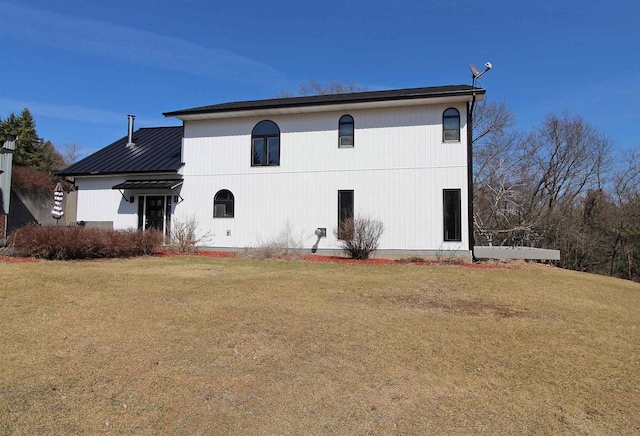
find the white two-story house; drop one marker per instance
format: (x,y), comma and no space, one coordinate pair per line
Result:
(247,170)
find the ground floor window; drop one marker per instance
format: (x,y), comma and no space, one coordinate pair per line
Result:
(452,215)
(223,204)
(154,212)
(345,207)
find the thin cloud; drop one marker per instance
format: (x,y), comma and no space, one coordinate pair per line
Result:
(128,44)
(69,112)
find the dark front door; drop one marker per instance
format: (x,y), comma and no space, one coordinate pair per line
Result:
(154,213)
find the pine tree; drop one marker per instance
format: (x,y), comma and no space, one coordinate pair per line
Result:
(31,150)
(28,144)
(50,160)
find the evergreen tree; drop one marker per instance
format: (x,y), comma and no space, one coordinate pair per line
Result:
(28,144)
(31,150)
(50,160)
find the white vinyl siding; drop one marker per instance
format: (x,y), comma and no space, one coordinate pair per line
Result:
(397,170)
(97,201)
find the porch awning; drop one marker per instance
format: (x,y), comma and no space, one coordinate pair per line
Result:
(149,184)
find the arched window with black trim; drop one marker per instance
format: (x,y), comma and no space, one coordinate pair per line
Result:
(345,131)
(451,125)
(223,203)
(265,144)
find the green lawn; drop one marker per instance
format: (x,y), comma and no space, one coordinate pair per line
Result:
(194,345)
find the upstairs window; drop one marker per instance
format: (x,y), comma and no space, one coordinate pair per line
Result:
(223,204)
(345,131)
(451,125)
(265,144)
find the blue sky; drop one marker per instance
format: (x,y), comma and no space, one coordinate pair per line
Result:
(81,67)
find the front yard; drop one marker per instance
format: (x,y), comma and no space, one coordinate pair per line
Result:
(194,345)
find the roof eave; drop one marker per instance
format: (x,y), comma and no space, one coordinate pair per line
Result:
(114,173)
(300,105)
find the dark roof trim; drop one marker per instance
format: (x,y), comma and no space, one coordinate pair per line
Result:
(150,184)
(322,100)
(111,173)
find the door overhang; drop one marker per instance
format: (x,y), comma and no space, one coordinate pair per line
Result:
(172,185)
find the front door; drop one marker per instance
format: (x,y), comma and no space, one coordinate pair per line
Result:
(154,216)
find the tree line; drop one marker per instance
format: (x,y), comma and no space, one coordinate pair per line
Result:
(562,185)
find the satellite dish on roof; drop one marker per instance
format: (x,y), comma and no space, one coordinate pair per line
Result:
(476,73)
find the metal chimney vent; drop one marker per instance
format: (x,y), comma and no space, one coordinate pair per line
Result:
(130,143)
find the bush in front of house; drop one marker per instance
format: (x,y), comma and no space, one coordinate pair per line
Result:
(185,237)
(286,244)
(359,237)
(71,242)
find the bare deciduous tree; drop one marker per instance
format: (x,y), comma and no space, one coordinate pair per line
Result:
(557,187)
(71,153)
(626,222)
(315,87)
(567,157)
(498,154)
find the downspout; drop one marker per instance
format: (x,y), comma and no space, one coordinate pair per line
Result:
(470,106)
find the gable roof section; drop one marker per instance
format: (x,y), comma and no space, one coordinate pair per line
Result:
(156,150)
(335,99)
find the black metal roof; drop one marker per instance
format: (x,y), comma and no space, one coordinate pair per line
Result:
(150,184)
(321,100)
(156,150)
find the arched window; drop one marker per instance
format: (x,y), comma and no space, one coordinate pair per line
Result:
(451,125)
(223,204)
(265,144)
(345,131)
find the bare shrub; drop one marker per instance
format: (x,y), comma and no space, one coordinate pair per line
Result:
(30,178)
(450,257)
(412,259)
(71,242)
(263,251)
(359,237)
(286,243)
(185,237)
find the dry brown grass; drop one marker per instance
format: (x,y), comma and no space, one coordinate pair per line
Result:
(191,345)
